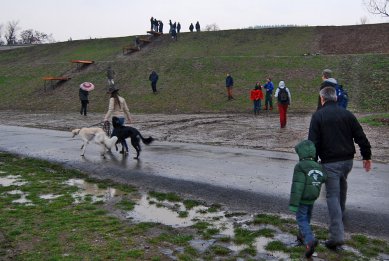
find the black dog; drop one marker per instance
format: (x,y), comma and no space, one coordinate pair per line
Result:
(124,132)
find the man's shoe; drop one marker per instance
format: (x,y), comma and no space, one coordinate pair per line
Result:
(333,245)
(310,249)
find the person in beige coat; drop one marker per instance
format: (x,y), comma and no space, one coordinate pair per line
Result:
(117,107)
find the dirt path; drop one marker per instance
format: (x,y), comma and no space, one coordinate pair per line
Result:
(235,130)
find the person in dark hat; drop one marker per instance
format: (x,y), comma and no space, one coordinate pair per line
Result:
(117,107)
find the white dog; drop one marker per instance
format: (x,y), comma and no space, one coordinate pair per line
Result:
(98,136)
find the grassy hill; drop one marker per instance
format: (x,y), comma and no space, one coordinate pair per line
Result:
(192,70)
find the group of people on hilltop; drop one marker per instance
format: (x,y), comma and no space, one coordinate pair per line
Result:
(156,25)
(191,27)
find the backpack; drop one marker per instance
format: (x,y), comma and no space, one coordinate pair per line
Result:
(283,96)
(342,96)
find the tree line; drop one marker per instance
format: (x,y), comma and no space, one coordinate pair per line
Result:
(11,34)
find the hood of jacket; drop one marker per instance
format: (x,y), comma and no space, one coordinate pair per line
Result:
(281,85)
(306,150)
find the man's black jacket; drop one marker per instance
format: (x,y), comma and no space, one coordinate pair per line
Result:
(333,130)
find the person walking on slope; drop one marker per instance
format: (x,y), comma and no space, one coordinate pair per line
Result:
(153,77)
(269,87)
(308,177)
(256,95)
(327,81)
(110,75)
(191,27)
(334,130)
(283,100)
(229,85)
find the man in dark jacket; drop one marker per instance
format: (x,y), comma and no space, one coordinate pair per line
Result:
(191,27)
(153,77)
(197,26)
(334,130)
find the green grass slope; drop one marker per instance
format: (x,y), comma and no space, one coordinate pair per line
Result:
(192,70)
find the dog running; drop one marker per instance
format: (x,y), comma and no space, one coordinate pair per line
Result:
(98,136)
(124,132)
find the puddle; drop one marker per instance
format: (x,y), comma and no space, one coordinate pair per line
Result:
(92,190)
(12,180)
(146,212)
(49,196)
(23,197)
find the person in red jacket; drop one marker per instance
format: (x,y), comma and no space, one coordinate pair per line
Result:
(256,95)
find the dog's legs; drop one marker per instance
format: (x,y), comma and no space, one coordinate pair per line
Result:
(83,147)
(135,142)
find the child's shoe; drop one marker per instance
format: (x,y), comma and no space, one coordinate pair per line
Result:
(310,248)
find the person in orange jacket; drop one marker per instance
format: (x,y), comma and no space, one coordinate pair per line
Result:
(256,95)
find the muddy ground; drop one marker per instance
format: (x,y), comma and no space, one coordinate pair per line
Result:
(235,130)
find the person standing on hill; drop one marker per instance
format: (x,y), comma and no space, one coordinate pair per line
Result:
(191,27)
(110,75)
(256,96)
(153,77)
(197,26)
(151,23)
(283,99)
(229,85)
(160,27)
(269,87)
(327,81)
(178,27)
(84,101)
(334,131)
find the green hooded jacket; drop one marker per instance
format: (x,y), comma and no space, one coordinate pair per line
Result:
(308,176)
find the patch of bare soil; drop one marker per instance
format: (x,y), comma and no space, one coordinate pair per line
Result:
(235,130)
(369,38)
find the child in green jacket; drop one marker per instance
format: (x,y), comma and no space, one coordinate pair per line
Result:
(308,177)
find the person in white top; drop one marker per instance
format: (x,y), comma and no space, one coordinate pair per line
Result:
(283,99)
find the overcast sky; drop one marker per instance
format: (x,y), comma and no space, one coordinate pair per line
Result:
(80,19)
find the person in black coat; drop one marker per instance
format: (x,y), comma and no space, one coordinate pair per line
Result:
(178,27)
(198,26)
(191,27)
(84,101)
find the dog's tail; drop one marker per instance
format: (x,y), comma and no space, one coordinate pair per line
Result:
(148,140)
(75,132)
(110,142)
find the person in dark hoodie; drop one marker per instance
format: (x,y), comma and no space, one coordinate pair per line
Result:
(191,27)
(153,77)
(327,80)
(308,176)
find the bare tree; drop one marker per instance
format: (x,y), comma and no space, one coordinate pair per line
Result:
(212,27)
(10,34)
(377,7)
(33,37)
(1,32)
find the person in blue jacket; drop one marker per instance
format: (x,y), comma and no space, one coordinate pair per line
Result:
(269,87)
(229,85)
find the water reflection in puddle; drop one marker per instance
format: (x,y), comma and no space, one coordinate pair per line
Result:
(23,197)
(91,190)
(146,212)
(12,180)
